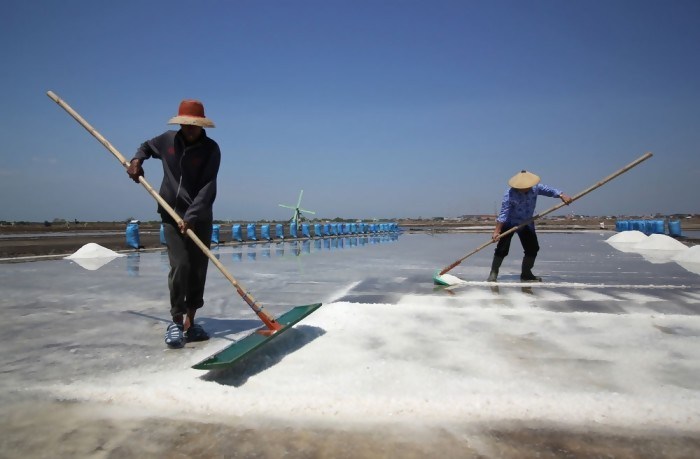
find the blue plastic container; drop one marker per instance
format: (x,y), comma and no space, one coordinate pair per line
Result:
(132,235)
(237,233)
(305,230)
(215,230)
(327,229)
(293,230)
(162,234)
(279,231)
(318,232)
(659,227)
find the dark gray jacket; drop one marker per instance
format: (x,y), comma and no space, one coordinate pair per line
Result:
(189,174)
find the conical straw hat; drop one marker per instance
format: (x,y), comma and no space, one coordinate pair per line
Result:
(523,180)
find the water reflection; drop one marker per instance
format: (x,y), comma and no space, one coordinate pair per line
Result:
(294,248)
(132,264)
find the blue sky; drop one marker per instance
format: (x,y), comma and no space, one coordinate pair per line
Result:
(376,109)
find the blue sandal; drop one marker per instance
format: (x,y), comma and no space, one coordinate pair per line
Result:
(174,337)
(196,333)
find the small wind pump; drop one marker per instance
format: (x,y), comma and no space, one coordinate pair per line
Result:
(298,216)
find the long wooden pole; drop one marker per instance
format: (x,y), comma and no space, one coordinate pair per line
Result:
(267,319)
(644,157)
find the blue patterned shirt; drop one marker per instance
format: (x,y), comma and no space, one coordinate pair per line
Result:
(518,207)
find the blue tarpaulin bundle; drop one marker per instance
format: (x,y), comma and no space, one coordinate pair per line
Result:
(674,228)
(265,232)
(251,232)
(237,233)
(132,235)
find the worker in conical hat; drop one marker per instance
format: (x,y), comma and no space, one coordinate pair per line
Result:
(190,167)
(517,207)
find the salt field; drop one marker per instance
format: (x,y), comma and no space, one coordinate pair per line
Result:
(599,360)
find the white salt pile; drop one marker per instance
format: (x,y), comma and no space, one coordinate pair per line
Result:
(692,255)
(92,250)
(689,259)
(93,256)
(657,248)
(660,242)
(626,240)
(627,237)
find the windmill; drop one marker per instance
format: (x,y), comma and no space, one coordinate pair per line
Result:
(298,217)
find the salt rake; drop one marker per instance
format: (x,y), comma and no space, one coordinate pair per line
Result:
(272,327)
(440,278)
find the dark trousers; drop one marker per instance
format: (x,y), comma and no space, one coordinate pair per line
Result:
(188,267)
(528,239)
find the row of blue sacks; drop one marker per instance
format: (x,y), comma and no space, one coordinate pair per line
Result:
(319,230)
(650,226)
